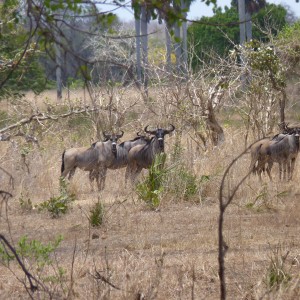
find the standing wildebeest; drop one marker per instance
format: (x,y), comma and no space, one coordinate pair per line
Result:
(283,149)
(142,156)
(89,158)
(120,160)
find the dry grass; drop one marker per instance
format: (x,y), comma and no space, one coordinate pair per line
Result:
(166,254)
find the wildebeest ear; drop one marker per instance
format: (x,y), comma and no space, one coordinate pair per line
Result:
(120,135)
(106,136)
(149,131)
(170,130)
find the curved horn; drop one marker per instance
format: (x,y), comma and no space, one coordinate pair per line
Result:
(170,130)
(149,131)
(120,135)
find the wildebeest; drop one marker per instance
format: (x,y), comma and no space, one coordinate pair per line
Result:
(142,156)
(89,158)
(120,160)
(282,149)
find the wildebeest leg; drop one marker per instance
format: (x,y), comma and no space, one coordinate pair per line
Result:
(292,167)
(71,173)
(101,178)
(269,168)
(130,173)
(135,174)
(260,167)
(127,174)
(284,164)
(280,171)
(93,176)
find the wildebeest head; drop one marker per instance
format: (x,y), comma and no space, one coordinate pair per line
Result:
(160,134)
(113,138)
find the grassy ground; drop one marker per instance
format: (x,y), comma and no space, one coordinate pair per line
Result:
(139,253)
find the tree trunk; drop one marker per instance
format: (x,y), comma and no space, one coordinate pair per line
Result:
(177,46)
(58,61)
(248,27)
(242,18)
(144,40)
(138,51)
(168,47)
(184,40)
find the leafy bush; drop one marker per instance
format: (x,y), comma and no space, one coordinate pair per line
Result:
(277,274)
(25,202)
(60,204)
(31,250)
(184,183)
(151,188)
(181,182)
(96,214)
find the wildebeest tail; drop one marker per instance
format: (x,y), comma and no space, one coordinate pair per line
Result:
(63,162)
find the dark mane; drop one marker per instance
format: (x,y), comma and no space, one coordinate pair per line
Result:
(133,140)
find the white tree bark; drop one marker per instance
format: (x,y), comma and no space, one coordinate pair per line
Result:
(248,27)
(242,18)
(144,43)
(58,61)
(177,46)
(184,39)
(168,47)
(138,51)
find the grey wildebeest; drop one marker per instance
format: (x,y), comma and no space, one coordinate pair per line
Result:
(142,156)
(89,158)
(282,149)
(120,159)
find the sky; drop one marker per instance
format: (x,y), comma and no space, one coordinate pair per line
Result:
(199,9)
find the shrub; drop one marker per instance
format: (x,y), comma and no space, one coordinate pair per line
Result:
(33,250)
(25,202)
(96,214)
(151,188)
(60,204)
(183,183)
(277,274)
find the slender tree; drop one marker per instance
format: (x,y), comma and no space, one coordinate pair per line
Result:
(137,15)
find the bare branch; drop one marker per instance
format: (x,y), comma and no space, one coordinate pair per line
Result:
(43,116)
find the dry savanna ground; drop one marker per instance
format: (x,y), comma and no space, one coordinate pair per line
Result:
(140,253)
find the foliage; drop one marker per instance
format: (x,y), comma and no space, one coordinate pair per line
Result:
(33,250)
(207,36)
(96,214)
(28,40)
(263,58)
(14,35)
(60,204)
(181,182)
(25,202)
(277,274)
(289,44)
(184,183)
(151,188)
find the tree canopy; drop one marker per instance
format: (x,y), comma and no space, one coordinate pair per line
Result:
(220,33)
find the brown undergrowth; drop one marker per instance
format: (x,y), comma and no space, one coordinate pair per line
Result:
(138,253)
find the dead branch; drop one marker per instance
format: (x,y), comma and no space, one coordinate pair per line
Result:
(41,116)
(31,278)
(223,204)
(98,276)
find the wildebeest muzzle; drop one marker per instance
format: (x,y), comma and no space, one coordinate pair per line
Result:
(114,148)
(161,143)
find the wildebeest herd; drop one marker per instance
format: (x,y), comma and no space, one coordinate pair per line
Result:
(282,148)
(140,153)
(134,154)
